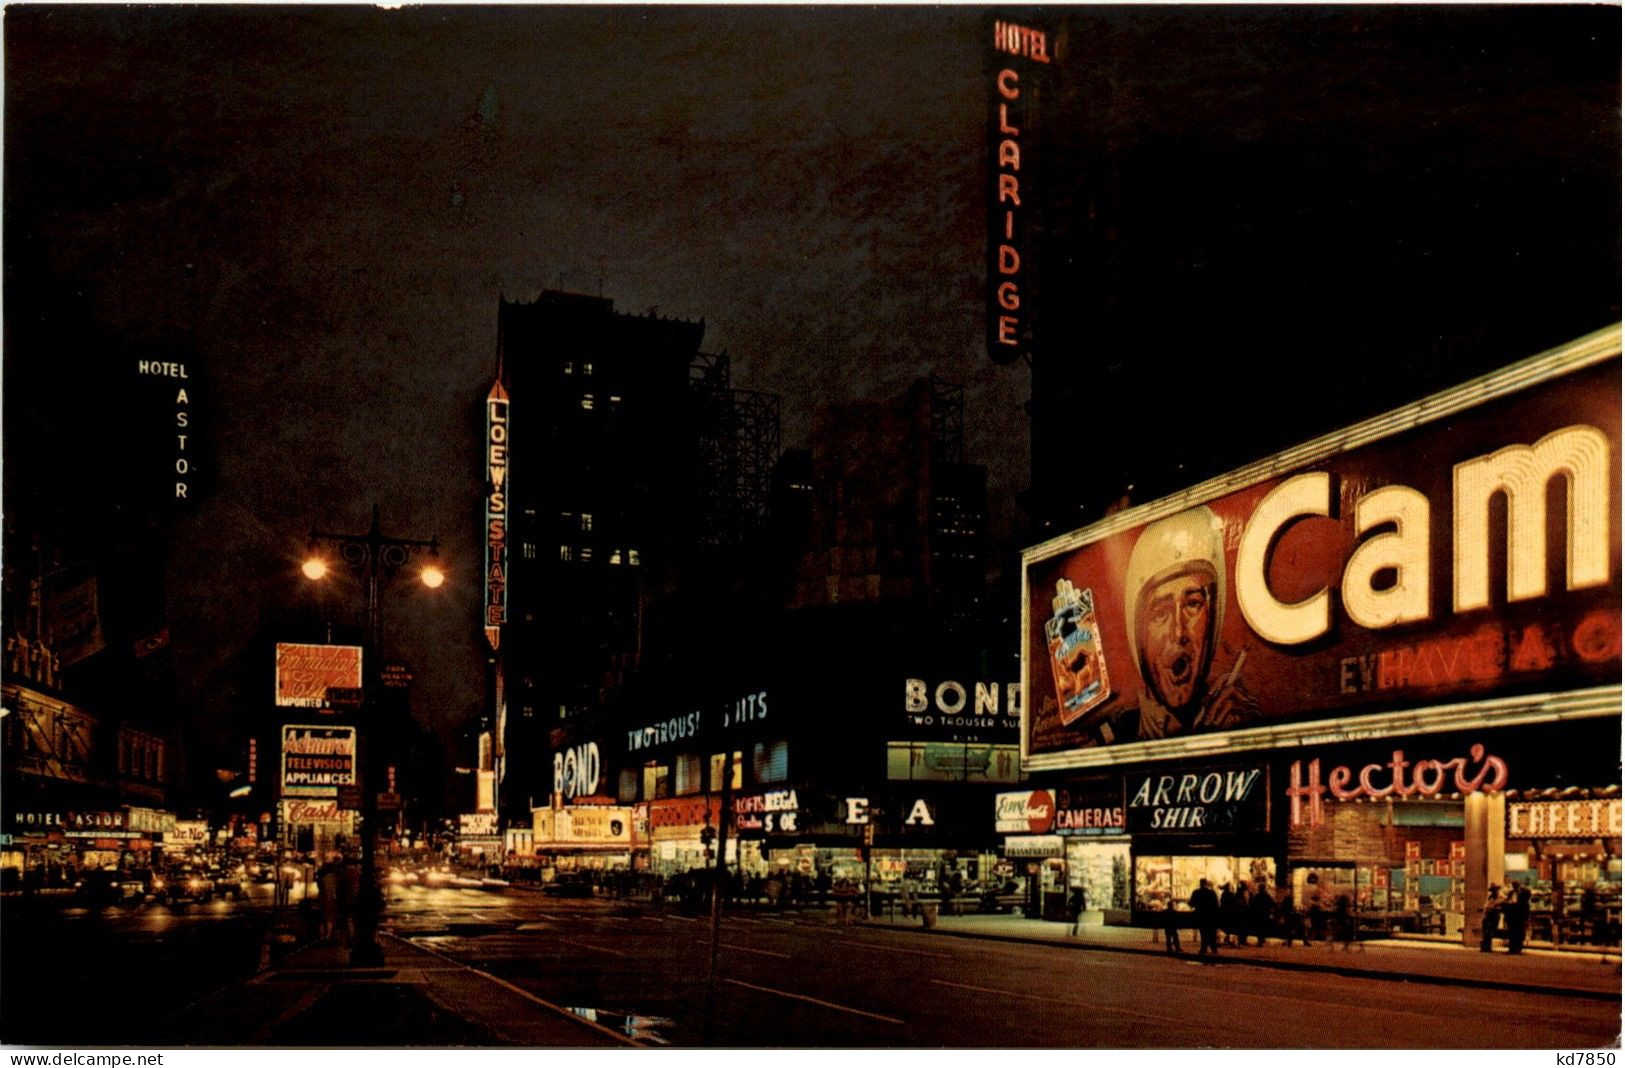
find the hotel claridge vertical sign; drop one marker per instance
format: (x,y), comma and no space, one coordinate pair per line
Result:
(1017,59)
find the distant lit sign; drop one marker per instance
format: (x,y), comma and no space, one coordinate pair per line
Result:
(496,513)
(304,673)
(774,812)
(1034,845)
(576,770)
(1085,814)
(1564,819)
(1023,812)
(317,761)
(477,824)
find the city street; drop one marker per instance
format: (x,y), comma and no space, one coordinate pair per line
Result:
(784,979)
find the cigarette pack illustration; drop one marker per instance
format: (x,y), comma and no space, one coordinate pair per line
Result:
(1076,654)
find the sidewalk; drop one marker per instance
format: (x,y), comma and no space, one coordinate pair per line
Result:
(1571,972)
(313,997)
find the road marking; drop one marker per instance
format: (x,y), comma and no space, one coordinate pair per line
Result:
(1055,1001)
(743,949)
(816,1001)
(595,949)
(895,949)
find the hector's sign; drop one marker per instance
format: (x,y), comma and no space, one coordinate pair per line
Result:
(1479,771)
(1458,550)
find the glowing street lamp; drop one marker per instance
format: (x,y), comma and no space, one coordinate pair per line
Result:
(375,559)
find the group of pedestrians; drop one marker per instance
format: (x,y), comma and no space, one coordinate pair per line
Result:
(1509,913)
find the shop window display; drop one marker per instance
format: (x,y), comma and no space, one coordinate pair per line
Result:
(1169,880)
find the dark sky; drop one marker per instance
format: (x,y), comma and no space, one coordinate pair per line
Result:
(319,209)
(324,205)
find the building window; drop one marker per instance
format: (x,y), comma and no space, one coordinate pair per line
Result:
(656,781)
(615,557)
(770,761)
(586,368)
(632,557)
(586,554)
(687,774)
(586,402)
(716,771)
(564,553)
(569,368)
(627,785)
(586,521)
(528,549)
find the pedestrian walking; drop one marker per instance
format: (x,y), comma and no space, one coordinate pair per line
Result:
(1517,919)
(327,889)
(1290,921)
(1260,910)
(1074,910)
(1230,906)
(1170,929)
(1344,930)
(1489,920)
(1205,904)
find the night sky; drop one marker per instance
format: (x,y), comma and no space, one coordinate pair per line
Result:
(318,209)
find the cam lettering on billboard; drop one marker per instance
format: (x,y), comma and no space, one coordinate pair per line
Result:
(1018,54)
(1438,564)
(1200,800)
(1478,772)
(316,761)
(304,673)
(496,513)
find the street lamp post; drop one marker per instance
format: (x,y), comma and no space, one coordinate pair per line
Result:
(375,559)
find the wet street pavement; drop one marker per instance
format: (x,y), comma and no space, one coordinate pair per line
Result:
(478,968)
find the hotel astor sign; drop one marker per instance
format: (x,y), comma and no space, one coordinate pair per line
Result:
(1460,550)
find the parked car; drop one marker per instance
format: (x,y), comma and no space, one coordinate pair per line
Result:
(104,886)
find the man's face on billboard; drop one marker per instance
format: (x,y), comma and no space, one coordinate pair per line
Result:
(1174,625)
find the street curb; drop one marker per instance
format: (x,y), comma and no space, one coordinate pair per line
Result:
(1282,965)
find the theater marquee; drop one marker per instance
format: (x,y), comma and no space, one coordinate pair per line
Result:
(1448,565)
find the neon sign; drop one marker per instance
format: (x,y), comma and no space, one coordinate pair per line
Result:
(496,513)
(1011,109)
(1428,778)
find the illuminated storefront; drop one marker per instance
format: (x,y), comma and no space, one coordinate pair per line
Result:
(1354,667)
